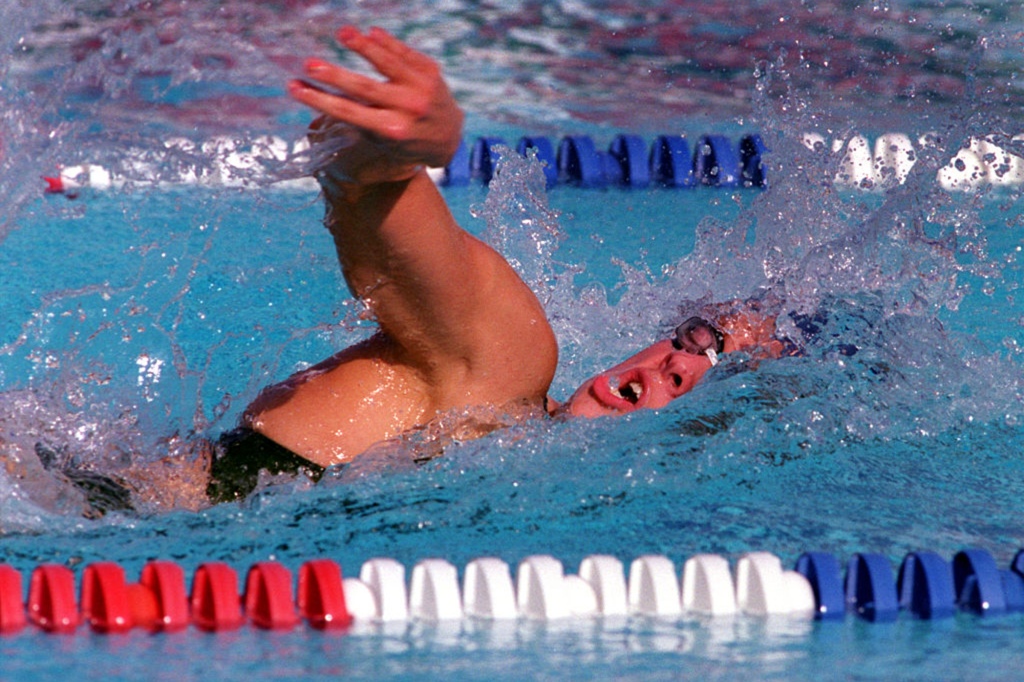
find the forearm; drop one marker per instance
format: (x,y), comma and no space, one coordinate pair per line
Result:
(403,254)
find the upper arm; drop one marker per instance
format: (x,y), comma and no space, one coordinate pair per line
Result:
(460,313)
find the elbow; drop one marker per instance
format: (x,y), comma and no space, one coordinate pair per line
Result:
(538,360)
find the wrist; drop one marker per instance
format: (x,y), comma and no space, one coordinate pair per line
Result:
(348,187)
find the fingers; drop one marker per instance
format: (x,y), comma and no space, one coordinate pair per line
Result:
(392,58)
(388,108)
(361,88)
(361,116)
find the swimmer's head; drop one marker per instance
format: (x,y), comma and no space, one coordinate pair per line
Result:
(655,376)
(665,370)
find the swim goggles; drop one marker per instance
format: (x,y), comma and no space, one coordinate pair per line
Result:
(699,337)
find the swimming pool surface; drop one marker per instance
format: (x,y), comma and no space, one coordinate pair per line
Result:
(129,316)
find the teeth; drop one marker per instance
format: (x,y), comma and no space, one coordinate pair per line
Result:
(635,386)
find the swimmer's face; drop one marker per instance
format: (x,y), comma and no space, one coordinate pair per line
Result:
(652,378)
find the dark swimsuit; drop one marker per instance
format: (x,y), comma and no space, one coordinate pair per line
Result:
(240,455)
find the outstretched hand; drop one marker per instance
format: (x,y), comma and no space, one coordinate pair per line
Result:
(397,125)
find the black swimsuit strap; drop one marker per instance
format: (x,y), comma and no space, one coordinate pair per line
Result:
(240,454)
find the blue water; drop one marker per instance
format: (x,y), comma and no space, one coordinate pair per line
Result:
(132,315)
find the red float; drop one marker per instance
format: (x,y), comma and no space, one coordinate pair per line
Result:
(12,609)
(51,599)
(321,595)
(268,596)
(215,601)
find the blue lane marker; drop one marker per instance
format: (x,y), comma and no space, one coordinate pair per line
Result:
(457,171)
(627,163)
(1013,591)
(978,583)
(484,159)
(1017,565)
(752,171)
(715,162)
(631,153)
(670,162)
(925,586)
(579,163)
(611,169)
(870,589)
(824,574)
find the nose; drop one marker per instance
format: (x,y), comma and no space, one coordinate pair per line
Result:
(679,374)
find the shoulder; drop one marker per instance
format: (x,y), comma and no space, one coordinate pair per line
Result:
(334,411)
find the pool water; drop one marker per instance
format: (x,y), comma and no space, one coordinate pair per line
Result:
(134,315)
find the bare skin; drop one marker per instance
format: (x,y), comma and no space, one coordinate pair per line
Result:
(458,328)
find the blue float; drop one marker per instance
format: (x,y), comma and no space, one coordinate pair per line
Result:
(484,158)
(978,583)
(579,163)
(870,589)
(670,162)
(1013,591)
(824,574)
(1013,583)
(456,173)
(752,151)
(612,171)
(925,586)
(545,153)
(1017,565)
(715,162)
(631,154)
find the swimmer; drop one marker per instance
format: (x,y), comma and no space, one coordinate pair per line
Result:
(458,328)
(459,331)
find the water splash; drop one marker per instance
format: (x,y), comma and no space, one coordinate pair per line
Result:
(520,223)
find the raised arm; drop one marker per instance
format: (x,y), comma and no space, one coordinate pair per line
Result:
(458,326)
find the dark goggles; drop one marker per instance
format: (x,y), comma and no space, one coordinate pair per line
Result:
(699,337)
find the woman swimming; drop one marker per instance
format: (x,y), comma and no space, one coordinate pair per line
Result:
(458,328)
(459,331)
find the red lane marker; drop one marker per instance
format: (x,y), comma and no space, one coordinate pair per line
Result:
(51,599)
(268,596)
(166,581)
(12,610)
(215,602)
(321,595)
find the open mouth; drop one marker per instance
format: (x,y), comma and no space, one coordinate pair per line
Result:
(625,392)
(631,391)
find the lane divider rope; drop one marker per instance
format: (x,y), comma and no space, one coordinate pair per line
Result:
(926,587)
(576,161)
